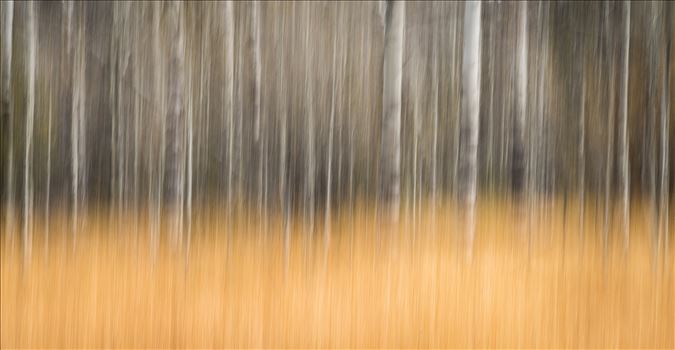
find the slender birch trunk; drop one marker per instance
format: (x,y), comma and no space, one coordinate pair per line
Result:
(7,113)
(30,117)
(581,157)
(255,38)
(329,165)
(623,127)
(391,105)
(519,166)
(665,127)
(175,119)
(49,170)
(229,91)
(158,85)
(470,114)
(610,137)
(78,122)
(310,171)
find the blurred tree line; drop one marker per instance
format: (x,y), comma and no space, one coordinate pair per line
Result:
(254,102)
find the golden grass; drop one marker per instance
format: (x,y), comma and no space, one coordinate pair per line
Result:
(375,286)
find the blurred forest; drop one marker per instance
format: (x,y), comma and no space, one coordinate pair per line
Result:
(337,174)
(278,105)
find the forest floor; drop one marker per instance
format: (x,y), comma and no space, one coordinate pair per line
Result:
(532,280)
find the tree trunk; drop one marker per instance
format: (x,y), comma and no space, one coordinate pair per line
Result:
(470,114)
(6,105)
(78,122)
(390,162)
(137,89)
(623,126)
(49,169)
(609,158)
(331,128)
(30,117)
(664,194)
(492,76)
(456,95)
(518,174)
(229,90)
(581,160)
(189,136)
(283,120)
(435,91)
(309,115)
(175,120)
(255,38)
(158,75)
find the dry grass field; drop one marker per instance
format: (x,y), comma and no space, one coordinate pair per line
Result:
(412,285)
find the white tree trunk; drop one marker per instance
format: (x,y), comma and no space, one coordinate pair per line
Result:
(521,103)
(329,165)
(255,32)
(30,117)
(435,91)
(229,90)
(310,171)
(610,129)
(77,122)
(492,76)
(283,193)
(470,113)
(665,127)
(255,38)
(390,161)
(189,156)
(623,126)
(158,75)
(456,93)
(175,120)
(137,89)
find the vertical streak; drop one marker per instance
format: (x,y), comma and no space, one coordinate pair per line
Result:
(623,131)
(470,113)
(30,116)
(391,105)
(330,135)
(7,112)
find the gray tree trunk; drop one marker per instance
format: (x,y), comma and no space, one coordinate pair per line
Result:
(518,174)
(30,117)
(6,105)
(623,127)
(175,123)
(610,130)
(283,192)
(665,127)
(229,90)
(390,161)
(470,114)
(77,121)
(255,38)
(311,166)
(581,160)
(435,91)
(158,75)
(331,128)
(49,170)
(255,32)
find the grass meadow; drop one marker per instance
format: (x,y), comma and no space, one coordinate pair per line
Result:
(532,280)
